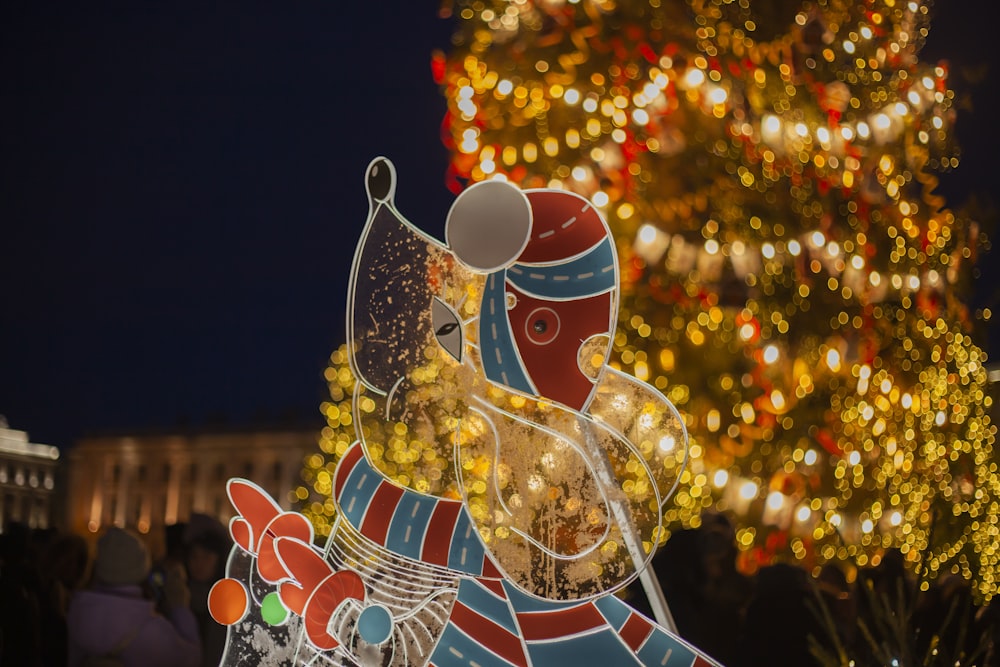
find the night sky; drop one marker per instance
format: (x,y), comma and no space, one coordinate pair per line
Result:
(181,189)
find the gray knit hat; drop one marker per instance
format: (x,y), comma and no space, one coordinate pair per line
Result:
(122,558)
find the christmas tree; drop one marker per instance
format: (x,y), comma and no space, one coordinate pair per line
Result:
(790,279)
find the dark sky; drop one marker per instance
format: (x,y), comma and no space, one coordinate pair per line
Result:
(181,189)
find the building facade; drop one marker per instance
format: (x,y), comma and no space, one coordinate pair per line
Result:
(148,482)
(27,480)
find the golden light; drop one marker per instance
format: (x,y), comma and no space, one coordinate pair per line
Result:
(718,95)
(647,233)
(775,500)
(833,360)
(667,359)
(748,490)
(771,354)
(470,141)
(828,360)
(694,77)
(712,420)
(770,128)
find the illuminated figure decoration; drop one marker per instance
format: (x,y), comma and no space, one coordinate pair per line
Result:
(539,489)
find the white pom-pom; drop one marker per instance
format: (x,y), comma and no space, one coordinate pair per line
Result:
(489,225)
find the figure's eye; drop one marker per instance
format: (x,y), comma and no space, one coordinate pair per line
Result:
(542,326)
(447,328)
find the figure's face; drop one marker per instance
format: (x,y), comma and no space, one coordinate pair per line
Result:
(551,285)
(540,264)
(399,274)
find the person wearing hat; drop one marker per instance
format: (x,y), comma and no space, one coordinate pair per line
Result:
(115,620)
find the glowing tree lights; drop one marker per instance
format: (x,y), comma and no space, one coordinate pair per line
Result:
(789,279)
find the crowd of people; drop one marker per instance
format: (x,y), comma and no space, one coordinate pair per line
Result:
(782,614)
(60,605)
(64,603)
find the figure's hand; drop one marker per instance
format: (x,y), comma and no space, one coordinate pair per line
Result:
(314,590)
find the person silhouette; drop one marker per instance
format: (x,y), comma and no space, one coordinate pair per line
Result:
(114,618)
